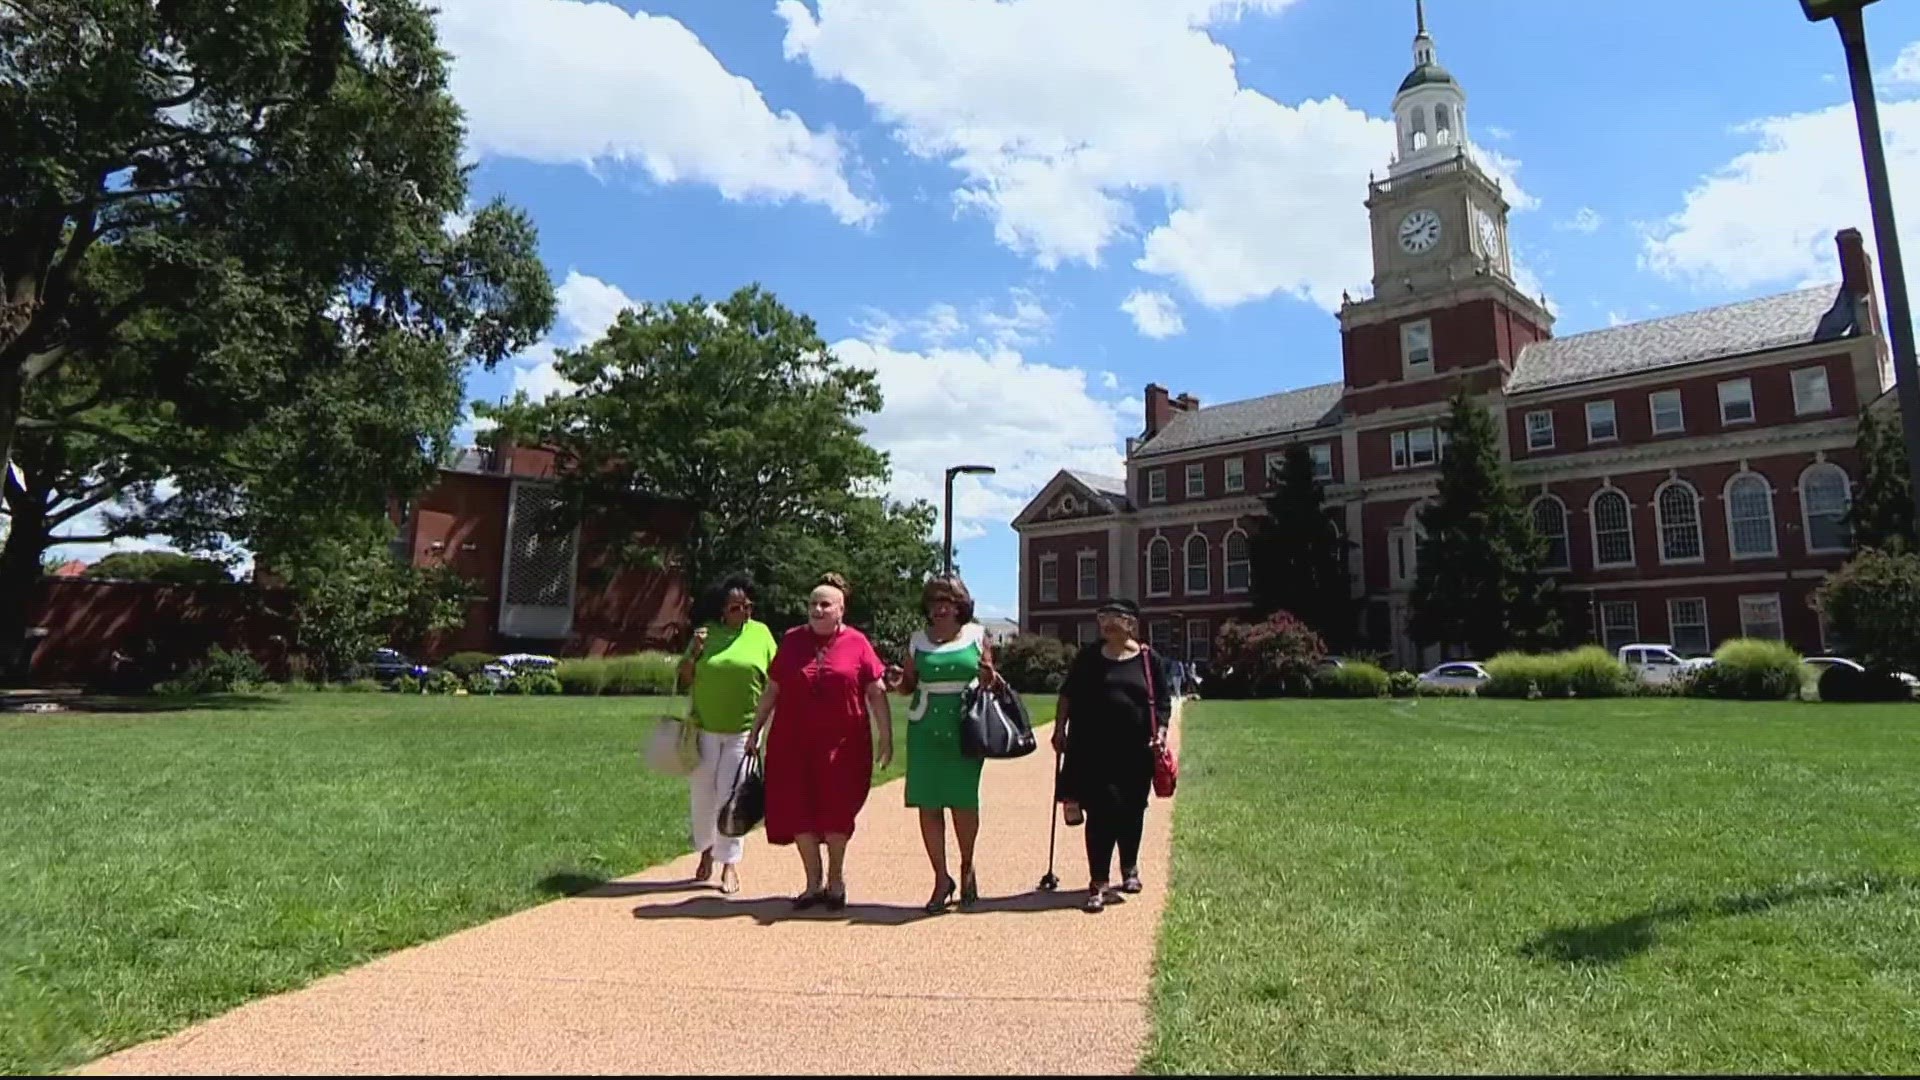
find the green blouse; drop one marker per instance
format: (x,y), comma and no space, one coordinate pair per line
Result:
(730,676)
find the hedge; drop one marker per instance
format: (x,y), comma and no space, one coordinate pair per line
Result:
(1351,680)
(1588,672)
(648,673)
(1750,669)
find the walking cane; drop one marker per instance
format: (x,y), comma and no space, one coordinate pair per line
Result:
(1051,882)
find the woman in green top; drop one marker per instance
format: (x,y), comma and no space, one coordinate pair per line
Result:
(727,668)
(944,659)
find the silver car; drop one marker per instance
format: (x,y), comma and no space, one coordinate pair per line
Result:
(1456,675)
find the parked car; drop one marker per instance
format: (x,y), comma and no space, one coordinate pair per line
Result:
(390,665)
(505,667)
(1820,664)
(1657,665)
(1456,675)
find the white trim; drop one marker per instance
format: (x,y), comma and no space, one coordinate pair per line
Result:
(1196,470)
(1772,440)
(1532,446)
(1705,624)
(1410,367)
(1050,559)
(1806,518)
(1227,474)
(1690,581)
(1080,577)
(1187,564)
(1632,635)
(1613,421)
(1226,564)
(1720,392)
(1314,457)
(1593,529)
(1159,474)
(1653,412)
(1733,533)
(1779,612)
(1206,626)
(1566,529)
(1660,524)
(1802,408)
(1166,545)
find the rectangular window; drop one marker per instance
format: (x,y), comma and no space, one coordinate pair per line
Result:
(1399,449)
(1047,629)
(1236,478)
(1276,463)
(1760,617)
(1687,626)
(1400,554)
(1619,623)
(1810,394)
(1049,578)
(1600,425)
(1160,636)
(1087,632)
(1540,430)
(1416,347)
(1421,449)
(1157,485)
(1736,401)
(1088,585)
(1199,640)
(1196,480)
(1322,455)
(1668,417)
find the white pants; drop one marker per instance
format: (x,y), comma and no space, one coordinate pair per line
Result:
(710,786)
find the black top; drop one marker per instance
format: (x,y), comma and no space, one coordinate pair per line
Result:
(1111,717)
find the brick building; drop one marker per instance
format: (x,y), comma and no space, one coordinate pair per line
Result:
(1691,474)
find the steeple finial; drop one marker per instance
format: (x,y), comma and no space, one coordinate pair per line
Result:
(1420,16)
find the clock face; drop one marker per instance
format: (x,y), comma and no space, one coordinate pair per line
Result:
(1489,233)
(1419,231)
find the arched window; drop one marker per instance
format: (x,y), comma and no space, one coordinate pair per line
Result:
(1159,567)
(1677,507)
(1825,498)
(1612,528)
(1442,124)
(1750,516)
(1239,564)
(1417,129)
(1199,574)
(1550,521)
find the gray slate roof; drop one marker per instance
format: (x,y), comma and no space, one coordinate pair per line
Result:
(1275,414)
(1112,488)
(1771,322)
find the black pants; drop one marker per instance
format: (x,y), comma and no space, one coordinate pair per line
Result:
(1108,826)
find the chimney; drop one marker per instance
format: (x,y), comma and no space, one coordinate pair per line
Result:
(1856,266)
(1159,409)
(1186,403)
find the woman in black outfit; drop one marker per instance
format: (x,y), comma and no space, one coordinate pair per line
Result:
(1112,716)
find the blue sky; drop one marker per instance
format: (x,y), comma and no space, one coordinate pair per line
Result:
(1021,212)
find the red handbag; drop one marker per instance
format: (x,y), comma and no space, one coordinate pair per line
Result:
(1166,768)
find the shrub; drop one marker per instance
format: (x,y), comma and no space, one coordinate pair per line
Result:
(1403,684)
(1749,669)
(539,683)
(1033,664)
(1428,690)
(442,682)
(1352,680)
(1873,604)
(650,673)
(1587,672)
(220,672)
(1841,683)
(468,664)
(582,677)
(406,684)
(360,686)
(1277,655)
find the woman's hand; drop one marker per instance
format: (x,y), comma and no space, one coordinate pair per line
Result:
(753,741)
(1059,737)
(894,677)
(1159,740)
(699,643)
(883,754)
(990,676)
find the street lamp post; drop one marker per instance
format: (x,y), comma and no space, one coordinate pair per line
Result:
(1849,17)
(946,513)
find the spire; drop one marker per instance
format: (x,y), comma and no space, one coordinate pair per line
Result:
(1422,41)
(1420,16)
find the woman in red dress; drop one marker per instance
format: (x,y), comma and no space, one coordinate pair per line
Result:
(824,689)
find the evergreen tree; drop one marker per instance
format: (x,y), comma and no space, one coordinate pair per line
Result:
(1479,583)
(1882,513)
(1299,557)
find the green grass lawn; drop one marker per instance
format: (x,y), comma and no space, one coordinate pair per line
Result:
(1543,887)
(160,868)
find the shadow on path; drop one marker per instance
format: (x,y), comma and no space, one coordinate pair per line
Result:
(1622,939)
(574,883)
(770,910)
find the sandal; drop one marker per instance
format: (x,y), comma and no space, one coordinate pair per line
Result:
(942,895)
(729,880)
(1073,815)
(834,901)
(1130,882)
(1096,901)
(704,871)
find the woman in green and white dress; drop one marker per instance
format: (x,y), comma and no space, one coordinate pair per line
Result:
(944,659)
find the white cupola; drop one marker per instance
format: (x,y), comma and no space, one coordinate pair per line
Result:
(1430,111)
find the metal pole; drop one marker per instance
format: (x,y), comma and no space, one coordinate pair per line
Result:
(1906,374)
(946,522)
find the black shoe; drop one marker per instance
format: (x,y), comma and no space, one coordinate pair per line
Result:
(807,899)
(969,892)
(834,901)
(1130,882)
(942,896)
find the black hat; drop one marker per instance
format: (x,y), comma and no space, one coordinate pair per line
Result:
(1119,605)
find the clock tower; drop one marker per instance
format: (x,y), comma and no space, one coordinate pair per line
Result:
(1439,225)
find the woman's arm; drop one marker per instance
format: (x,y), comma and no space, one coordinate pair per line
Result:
(1162,698)
(760,714)
(880,715)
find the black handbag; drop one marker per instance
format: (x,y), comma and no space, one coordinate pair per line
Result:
(994,724)
(748,803)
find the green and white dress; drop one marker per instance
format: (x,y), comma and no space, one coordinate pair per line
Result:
(939,776)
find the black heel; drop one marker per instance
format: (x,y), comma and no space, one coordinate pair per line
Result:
(940,899)
(969,891)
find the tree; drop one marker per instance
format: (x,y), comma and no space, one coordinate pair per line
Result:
(1277,655)
(1479,585)
(1299,557)
(739,410)
(163,567)
(1881,515)
(227,281)
(1873,604)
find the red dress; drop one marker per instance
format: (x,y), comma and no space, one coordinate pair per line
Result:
(819,763)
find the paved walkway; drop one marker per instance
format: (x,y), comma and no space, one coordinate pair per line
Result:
(652,975)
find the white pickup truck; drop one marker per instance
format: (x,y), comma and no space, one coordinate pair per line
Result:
(1657,664)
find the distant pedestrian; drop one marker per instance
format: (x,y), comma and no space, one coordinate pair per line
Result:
(725,671)
(831,725)
(1111,719)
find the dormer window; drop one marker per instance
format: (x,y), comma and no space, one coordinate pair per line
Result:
(1416,347)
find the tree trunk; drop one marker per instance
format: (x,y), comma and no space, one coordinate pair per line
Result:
(20,571)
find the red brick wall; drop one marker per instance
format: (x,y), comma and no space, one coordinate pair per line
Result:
(1464,336)
(1253,462)
(1176,538)
(162,627)
(1066,548)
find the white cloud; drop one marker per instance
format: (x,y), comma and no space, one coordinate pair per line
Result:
(1023,322)
(1498,133)
(1155,314)
(1767,217)
(1584,220)
(1058,115)
(1109,381)
(571,82)
(1906,69)
(585,308)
